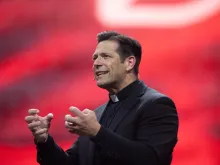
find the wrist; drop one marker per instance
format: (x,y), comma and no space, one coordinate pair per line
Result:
(96,130)
(40,140)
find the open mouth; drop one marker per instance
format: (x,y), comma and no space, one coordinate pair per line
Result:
(101,73)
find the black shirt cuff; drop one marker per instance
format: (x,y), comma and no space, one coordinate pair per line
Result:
(46,145)
(101,135)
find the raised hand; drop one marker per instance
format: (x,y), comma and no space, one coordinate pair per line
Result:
(85,123)
(38,125)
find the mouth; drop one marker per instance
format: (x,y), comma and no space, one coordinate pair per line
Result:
(99,73)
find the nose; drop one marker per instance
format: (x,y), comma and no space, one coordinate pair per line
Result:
(97,63)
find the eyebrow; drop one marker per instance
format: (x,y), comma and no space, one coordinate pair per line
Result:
(95,55)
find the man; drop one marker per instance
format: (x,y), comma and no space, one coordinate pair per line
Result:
(138,125)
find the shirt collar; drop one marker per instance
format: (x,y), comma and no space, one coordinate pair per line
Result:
(114,98)
(124,93)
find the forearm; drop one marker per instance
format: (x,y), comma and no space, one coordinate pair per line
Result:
(50,153)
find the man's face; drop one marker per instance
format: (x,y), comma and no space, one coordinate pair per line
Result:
(108,68)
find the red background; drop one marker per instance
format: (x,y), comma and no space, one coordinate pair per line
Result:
(46,63)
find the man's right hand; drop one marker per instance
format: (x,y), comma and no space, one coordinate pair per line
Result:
(38,125)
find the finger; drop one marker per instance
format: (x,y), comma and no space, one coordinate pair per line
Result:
(33,126)
(40,131)
(86,111)
(76,111)
(49,117)
(33,111)
(69,124)
(68,118)
(71,119)
(30,119)
(75,129)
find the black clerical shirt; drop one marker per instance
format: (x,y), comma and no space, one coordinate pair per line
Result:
(113,106)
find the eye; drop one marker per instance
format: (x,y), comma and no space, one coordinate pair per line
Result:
(94,57)
(105,56)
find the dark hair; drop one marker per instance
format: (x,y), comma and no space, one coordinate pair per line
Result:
(127,46)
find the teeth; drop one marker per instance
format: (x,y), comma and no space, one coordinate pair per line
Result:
(100,73)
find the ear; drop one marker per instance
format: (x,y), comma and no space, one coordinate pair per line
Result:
(130,62)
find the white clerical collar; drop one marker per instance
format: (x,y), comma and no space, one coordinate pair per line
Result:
(114,98)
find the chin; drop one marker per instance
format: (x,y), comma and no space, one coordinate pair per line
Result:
(102,84)
(106,84)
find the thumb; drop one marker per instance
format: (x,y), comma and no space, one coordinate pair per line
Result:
(49,116)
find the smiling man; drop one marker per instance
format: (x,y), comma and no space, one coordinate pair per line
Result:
(138,125)
(116,64)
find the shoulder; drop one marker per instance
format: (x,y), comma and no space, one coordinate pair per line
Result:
(100,109)
(152,96)
(154,104)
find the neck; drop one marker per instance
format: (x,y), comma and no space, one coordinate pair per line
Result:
(121,85)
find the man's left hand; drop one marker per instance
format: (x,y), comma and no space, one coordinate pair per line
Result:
(84,123)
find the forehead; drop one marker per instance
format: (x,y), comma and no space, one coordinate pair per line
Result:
(106,47)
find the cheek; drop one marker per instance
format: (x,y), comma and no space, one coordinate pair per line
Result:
(117,72)
(115,68)
(108,67)
(120,69)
